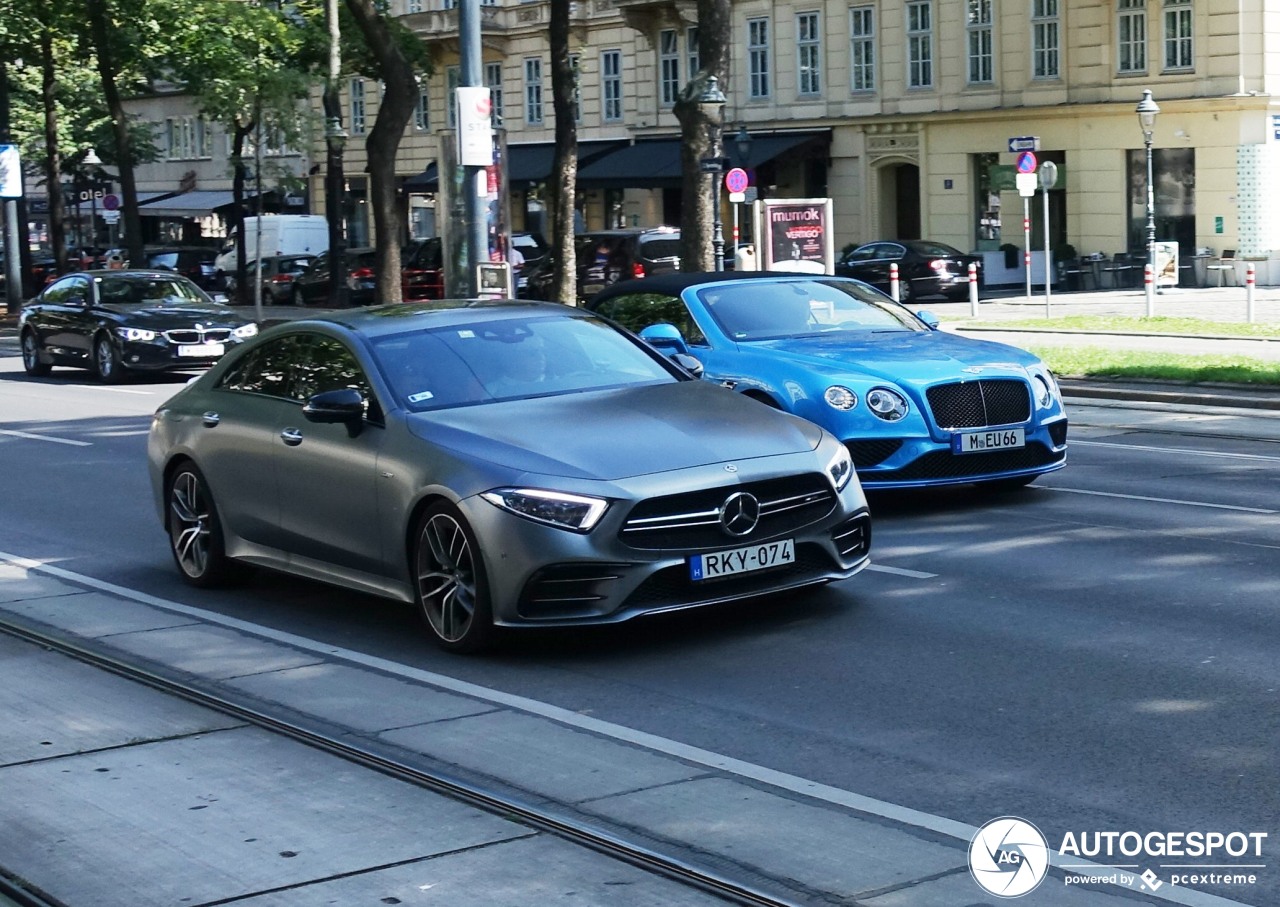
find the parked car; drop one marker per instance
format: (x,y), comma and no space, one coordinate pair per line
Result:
(916,406)
(311,287)
(123,321)
(604,257)
(434,454)
(194,262)
(422,269)
(925,268)
(278,275)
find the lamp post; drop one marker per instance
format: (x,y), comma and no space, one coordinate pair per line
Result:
(335,138)
(711,102)
(93,161)
(1147,110)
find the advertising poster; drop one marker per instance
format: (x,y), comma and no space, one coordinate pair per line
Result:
(796,234)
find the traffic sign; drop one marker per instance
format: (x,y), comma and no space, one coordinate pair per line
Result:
(1024,143)
(10,172)
(1048,175)
(714,164)
(736,180)
(111,202)
(1026,184)
(1026,162)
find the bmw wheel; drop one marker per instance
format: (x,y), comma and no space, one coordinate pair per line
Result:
(451,588)
(195,531)
(106,360)
(31,356)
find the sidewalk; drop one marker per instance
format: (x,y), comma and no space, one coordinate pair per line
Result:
(117,795)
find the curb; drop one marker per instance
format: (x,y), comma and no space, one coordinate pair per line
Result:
(1224,395)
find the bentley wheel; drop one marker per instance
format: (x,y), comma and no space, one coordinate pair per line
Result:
(451,588)
(31,356)
(195,533)
(106,361)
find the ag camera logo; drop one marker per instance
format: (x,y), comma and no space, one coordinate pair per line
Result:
(1008,857)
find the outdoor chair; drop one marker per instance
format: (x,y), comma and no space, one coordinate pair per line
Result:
(1225,265)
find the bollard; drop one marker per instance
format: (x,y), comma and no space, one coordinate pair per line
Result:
(1149,281)
(973,289)
(894,289)
(1249,281)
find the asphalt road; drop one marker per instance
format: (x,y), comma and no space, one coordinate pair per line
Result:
(1095,653)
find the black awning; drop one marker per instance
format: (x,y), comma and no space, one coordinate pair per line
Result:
(526,164)
(655,163)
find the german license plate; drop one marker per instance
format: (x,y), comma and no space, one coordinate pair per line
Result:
(201,350)
(987,439)
(742,560)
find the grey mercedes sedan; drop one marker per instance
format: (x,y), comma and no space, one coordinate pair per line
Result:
(497,464)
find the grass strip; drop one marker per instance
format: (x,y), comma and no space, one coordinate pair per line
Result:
(1160,324)
(1099,362)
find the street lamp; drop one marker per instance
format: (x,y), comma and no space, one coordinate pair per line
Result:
(711,102)
(743,143)
(93,161)
(1147,110)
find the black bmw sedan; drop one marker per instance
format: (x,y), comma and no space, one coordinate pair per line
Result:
(116,322)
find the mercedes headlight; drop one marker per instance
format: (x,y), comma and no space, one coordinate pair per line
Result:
(887,404)
(576,512)
(840,468)
(136,335)
(245,331)
(841,398)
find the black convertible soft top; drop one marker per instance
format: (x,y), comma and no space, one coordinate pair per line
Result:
(676,282)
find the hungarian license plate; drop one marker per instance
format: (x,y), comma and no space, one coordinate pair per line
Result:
(742,560)
(987,439)
(201,350)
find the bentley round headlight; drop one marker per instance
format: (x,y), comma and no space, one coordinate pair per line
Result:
(1045,391)
(840,398)
(888,405)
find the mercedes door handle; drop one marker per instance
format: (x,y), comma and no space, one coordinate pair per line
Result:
(210,419)
(291,436)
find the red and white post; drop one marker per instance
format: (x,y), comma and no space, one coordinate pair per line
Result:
(894,289)
(1250,279)
(973,289)
(1149,283)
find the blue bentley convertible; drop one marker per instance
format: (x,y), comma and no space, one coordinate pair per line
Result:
(916,406)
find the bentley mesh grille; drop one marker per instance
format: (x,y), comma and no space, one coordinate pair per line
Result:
(978,404)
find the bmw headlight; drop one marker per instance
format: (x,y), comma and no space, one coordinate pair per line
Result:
(245,331)
(136,335)
(840,468)
(575,512)
(840,398)
(1046,389)
(887,404)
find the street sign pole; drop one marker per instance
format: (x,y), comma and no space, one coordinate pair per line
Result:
(1026,180)
(11,191)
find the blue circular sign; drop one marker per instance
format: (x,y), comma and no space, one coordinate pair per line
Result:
(736,180)
(1027,162)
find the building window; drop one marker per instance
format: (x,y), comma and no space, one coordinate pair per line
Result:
(1045,39)
(862,48)
(422,110)
(1179,45)
(493,82)
(452,79)
(691,50)
(1131,35)
(920,44)
(808,53)
(668,66)
(758,58)
(357,107)
(533,91)
(611,86)
(575,67)
(981,43)
(413,6)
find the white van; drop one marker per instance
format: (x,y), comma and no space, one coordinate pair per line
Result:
(281,234)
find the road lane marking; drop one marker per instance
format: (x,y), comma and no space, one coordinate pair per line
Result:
(33,437)
(1178,450)
(1143,497)
(905,815)
(900,571)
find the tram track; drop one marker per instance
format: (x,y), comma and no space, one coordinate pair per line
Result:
(609,843)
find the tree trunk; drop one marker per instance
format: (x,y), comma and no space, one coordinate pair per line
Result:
(97,10)
(53,158)
(564,168)
(399,97)
(334,179)
(696,215)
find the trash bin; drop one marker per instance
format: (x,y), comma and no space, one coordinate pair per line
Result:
(745,258)
(1200,266)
